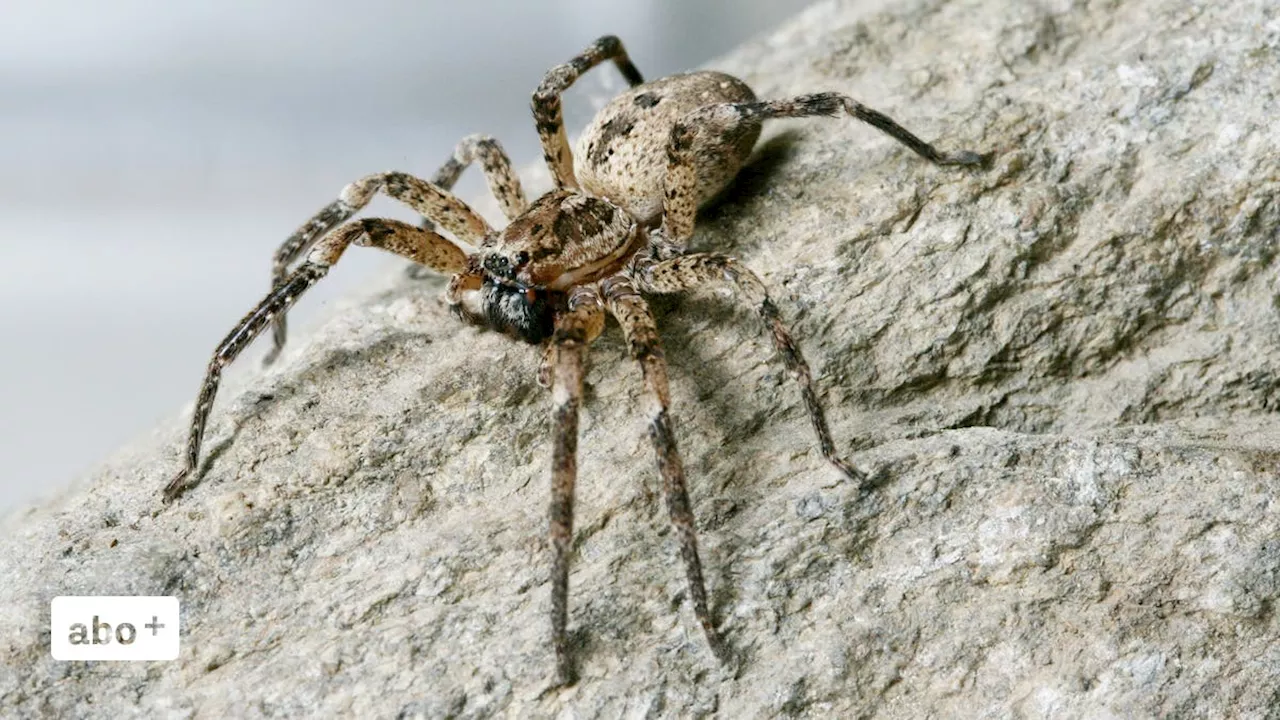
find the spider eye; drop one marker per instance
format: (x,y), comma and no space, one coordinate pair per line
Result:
(498,265)
(522,258)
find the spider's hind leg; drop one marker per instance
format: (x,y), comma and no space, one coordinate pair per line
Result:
(421,246)
(546,102)
(680,202)
(641,332)
(696,270)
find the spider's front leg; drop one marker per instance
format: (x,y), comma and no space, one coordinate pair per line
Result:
(575,330)
(501,178)
(498,173)
(421,246)
(428,199)
(680,202)
(698,270)
(546,102)
(641,332)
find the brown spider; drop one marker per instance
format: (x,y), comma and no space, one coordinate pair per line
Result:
(615,226)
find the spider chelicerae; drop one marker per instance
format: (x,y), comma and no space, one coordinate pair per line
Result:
(614,229)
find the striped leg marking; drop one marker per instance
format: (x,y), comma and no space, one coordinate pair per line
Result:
(688,272)
(422,246)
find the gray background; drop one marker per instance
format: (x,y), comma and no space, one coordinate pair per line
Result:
(152,155)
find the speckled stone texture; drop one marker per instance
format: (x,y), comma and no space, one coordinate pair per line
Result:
(1060,374)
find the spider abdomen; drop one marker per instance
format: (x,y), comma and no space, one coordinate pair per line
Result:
(622,154)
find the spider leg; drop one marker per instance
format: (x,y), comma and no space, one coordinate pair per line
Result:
(546,102)
(575,330)
(701,269)
(426,198)
(502,180)
(422,246)
(680,203)
(641,332)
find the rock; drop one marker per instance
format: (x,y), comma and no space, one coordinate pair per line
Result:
(1059,374)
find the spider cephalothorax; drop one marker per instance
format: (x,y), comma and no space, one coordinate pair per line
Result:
(516,282)
(614,229)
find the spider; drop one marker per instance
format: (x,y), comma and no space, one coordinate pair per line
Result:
(614,228)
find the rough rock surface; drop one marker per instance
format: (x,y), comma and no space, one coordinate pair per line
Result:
(1060,374)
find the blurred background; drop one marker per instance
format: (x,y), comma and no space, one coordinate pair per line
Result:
(153,155)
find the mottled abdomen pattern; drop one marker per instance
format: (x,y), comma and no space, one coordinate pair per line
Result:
(622,155)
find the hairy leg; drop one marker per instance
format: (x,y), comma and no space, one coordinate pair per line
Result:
(641,332)
(546,102)
(498,174)
(426,198)
(421,246)
(502,180)
(689,272)
(680,204)
(575,330)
